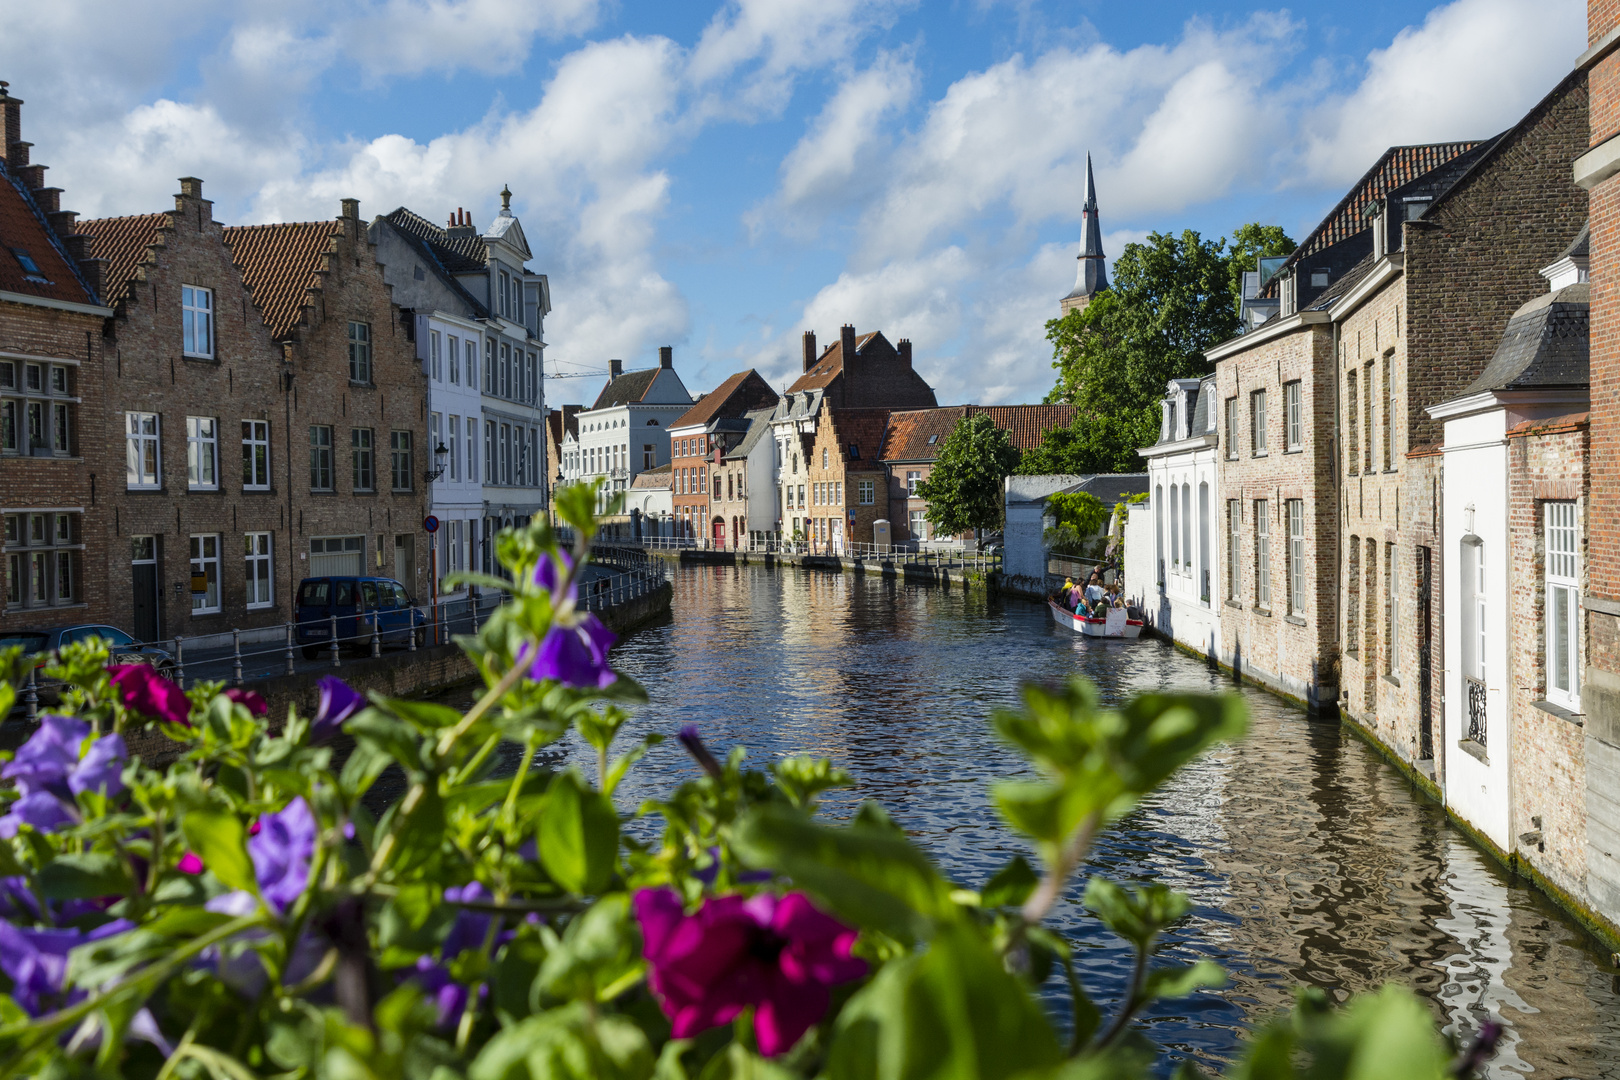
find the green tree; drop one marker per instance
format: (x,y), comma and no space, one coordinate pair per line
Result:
(1171,300)
(964,490)
(1249,242)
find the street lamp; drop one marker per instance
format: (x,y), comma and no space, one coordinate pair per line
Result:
(440,452)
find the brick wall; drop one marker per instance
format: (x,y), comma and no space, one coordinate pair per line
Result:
(81,480)
(840,506)
(1295,648)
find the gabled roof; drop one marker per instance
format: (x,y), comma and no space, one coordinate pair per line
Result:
(281,264)
(124,242)
(562,420)
(627,389)
(654,478)
(1027,424)
(1110,488)
(831,362)
(916,434)
(24,227)
(458,254)
(759,426)
(740,392)
(439,254)
(506,228)
(1545,345)
(862,430)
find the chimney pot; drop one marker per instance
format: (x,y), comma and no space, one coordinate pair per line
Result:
(809,349)
(904,349)
(666,356)
(351,209)
(191,187)
(615,368)
(846,339)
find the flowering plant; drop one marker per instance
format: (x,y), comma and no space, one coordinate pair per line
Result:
(252,907)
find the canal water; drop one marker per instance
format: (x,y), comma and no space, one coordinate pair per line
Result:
(1309,860)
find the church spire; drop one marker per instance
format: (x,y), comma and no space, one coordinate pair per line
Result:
(1092,277)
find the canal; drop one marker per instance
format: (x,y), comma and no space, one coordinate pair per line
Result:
(1309,860)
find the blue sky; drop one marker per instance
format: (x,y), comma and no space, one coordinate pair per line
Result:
(721,176)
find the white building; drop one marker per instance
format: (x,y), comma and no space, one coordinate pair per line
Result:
(450,348)
(1184,490)
(626,430)
(793,430)
(1539,372)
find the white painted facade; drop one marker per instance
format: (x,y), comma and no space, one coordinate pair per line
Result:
(1184,492)
(617,443)
(447,344)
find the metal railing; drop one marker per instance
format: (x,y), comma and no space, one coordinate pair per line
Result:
(1476,709)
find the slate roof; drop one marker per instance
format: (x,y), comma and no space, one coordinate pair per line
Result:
(1581,246)
(826,369)
(653,479)
(1110,488)
(1399,165)
(1200,416)
(759,426)
(124,242)
(281,264)
(910,431)
(1545,345)
(739,391)
(458,254)
(862,429)
(23,226)
(627,389)
(435,249)
(1347,281)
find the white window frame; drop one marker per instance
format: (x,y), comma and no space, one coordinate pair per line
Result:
(913,478)
(435,352)
(1561,613)
(918,524)
(453,355)
(1293,416)
(197,321)
(202,453)
(41,552)
(143,439)
(472,449)
(258,558)
(255,453)
(453,441)
(1257,423)
(867,490)
(1296,556)
(1262,554)
(360,353)
(1234,550)
(363,459)
(201,561)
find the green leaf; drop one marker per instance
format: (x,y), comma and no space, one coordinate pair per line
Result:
(367,762)
(874,879)
(599,951)
(395,738)
(948,1012)
(737,1062)
(1178,982)
(1011,885)
(88,876)
(1138,915)
(220,841)
(9,866)
(578,835)
(566,1044)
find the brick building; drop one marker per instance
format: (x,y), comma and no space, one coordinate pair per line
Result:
(845,479)
(699,440)
(355,486)
(53,475)
(195,401)
(1597,170)
(911,446)
(1448,269)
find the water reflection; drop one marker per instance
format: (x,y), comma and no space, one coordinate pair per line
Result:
(1310,861)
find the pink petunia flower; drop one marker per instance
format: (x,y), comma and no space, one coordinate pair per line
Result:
(779,955)
(252,700)
(144,691)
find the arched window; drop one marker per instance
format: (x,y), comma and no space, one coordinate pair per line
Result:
(1186,525)
(1158,528)
(1175,527)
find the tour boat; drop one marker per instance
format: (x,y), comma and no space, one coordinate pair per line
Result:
(1118,623)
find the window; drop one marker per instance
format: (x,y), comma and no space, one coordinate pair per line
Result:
(435,439)
(320,458)
(38,427)
(504,472)
(489,366)
(1234,550)
(472,449)
(1175,526)
(1351,421)
(1257,411)
(919,525)
(912,480)
(42,551)
(256,557)
(454,441)
(360,453)
(141,451)
(360,352)
(1563,611)
(1262,554)
(490,476)
(256,455)
(1391,618)
(533,382)
(838,493)
(648,455)
(1231,427)
(1389,418)
(1170,431)
(201,452)
(453,355)
(197,319)
(504,295)
(1367,419)
(504,372)
(801,495)
(399,451)
(205,565)
(1296,556)
(30,268)
(1294,419)
(1352,600)
(435,364)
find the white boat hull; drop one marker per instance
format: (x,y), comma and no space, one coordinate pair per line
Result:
(1117,624)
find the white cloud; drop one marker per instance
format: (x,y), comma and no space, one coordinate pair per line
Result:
(839,158)
(403,37)
(1472,69)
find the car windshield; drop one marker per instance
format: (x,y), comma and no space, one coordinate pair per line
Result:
(31,643)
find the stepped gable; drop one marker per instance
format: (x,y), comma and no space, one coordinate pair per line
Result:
(25,227)
(863,430)
(282,265)
(126,243)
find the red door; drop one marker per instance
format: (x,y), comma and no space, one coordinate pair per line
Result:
(719,533)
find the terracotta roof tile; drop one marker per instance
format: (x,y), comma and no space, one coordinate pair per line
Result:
(738,394)
(827,367)
(1551,425)
(915,435)
(23,227)
(653,479)
(861,429)
(1027,424)
(124,243)
(281,264)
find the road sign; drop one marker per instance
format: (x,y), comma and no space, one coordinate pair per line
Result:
(430,524)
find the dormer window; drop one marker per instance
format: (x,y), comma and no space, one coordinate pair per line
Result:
(1380,237)
(31,270)
(1288,293)
(1170,422)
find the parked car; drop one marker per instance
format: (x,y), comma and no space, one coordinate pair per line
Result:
(121,648)
(354,600)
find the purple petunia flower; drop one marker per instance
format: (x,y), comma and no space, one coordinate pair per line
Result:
(36,961)
(780,956)
(281,853)
(547,577)
(692,742)
(101,769)
(44,811)
(17,900)
(146,692)
(45,760)
(252,700)
(468,932)
(573,655)
(49,772)
(339,701)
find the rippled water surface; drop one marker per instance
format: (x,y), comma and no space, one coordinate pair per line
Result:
(1310,861)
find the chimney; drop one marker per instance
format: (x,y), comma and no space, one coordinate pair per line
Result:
(351,209)
(666,356)
(846,339)
(905,351)
(191,187)
(809,349)
(12,149)
(615,368)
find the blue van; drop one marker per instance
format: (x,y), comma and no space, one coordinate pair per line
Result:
(353,600)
